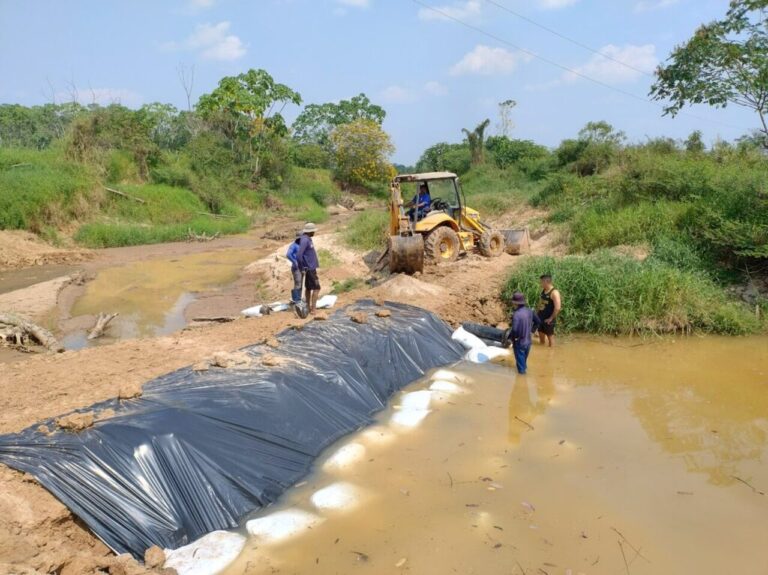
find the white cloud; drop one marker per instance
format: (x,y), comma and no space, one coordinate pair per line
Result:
(648,5)
(555,4)
(487,61)
(434,88)
(626,64)
(213,42)
(466,10)
(396,94)
(101,96)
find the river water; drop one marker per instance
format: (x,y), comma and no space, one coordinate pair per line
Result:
(610,457)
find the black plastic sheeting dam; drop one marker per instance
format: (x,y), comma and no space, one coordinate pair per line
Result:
(198,451)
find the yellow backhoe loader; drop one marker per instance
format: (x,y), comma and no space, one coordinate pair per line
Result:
(441,227)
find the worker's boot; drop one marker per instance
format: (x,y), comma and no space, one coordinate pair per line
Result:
(295,295)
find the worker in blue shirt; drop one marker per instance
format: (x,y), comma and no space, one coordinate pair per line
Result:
(420,203)
(524,323)
(291,254)
(306,259)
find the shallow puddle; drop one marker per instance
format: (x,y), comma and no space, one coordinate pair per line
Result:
(151,296)
(614,457)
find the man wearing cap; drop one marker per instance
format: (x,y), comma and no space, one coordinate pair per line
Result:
(306,258)
(293,250)
(523,323)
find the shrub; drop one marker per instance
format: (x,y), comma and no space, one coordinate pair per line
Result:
(367,230)
(613,294)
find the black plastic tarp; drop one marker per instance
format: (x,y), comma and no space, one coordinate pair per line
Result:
(198,451)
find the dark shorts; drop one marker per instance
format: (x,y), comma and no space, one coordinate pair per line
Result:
(547,328)
(311,281)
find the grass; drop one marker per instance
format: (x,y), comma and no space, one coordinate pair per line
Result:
(308,192)
(346,286)
(40,189)
(606,293)
(118,234)
(493,191)
(367,230)
(327,259)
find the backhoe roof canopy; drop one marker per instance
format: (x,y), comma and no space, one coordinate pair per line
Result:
(426,177)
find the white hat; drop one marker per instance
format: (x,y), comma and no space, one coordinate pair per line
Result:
(309,228)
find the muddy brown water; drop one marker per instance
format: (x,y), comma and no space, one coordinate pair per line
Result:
(151,296)
(609,457)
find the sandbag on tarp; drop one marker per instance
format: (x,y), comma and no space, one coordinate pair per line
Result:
(198,451)
(487,333)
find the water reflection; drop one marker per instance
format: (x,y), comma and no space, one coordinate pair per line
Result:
(529,398)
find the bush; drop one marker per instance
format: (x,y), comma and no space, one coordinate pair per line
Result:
(367,230)
(598,227)
(40,189)
(613,294)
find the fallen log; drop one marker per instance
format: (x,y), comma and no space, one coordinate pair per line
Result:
(217,319)
(37,333)
(124,195)
(101,324)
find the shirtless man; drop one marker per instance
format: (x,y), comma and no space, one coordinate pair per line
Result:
(548,310)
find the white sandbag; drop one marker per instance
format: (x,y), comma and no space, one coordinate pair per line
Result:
(468,340)
(448,375)
(337,497)
(208,555)
(345,457)
(256,311)
(378,436)
(282,525)
(327,301)
(416,400)
(446,387)
(408,418)
(478,352)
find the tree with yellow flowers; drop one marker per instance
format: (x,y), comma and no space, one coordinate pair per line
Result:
(361,152)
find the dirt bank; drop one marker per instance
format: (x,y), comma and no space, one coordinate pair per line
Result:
(37,534)
(20,249)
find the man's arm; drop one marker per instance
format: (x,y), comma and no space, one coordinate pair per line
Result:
(558,306)
(303,244)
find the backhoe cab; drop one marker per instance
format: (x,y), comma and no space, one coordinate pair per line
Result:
(441,230)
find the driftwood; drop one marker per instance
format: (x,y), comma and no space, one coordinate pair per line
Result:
(16,330)
(216,216)
(219,319)
(101,324)
(124,195)
(194,237)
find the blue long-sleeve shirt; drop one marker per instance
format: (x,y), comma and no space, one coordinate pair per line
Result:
(291,254)
(523,322)
(306,256)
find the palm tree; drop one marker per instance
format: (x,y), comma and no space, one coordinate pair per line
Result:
(476,141)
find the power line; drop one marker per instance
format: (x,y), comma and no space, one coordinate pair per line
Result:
(567,38)
(546,60)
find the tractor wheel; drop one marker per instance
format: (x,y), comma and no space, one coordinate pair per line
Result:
(442,245)
(491,244)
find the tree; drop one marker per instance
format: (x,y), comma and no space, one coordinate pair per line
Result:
(476,141)
(506,124)
(248,110)
(694,144)
(508,152)
(445,157)
(601,133)
(725,62)
(316,122)
(361,150)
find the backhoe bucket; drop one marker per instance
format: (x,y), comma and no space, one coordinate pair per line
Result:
(516,241)
(406,254)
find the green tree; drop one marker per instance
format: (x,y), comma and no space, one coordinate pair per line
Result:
(476,141)
(508,152)
(316,122)
(445,157)
(694,143)
(361,152)
(725,62)
(248,110)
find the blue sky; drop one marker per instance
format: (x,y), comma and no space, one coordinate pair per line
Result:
(433,75)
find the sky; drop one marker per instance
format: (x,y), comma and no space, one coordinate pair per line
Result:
(436,66)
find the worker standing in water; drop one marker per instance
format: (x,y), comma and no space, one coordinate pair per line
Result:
(308,264)
(523,323)
(548,309)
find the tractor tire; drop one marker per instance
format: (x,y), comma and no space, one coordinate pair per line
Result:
(442,245)
(491,244)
